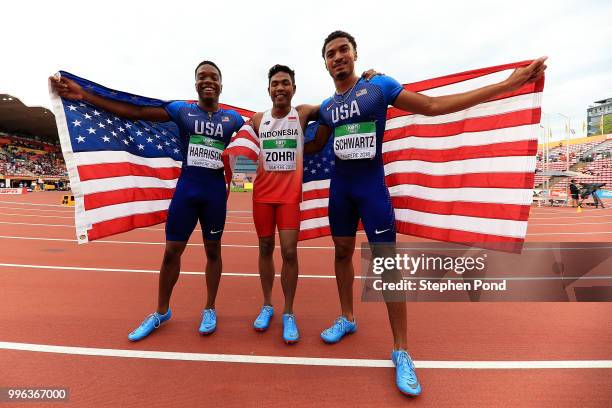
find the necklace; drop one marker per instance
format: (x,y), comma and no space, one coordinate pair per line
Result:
(345,95)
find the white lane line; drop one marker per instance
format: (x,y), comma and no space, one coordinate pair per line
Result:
(151,271)
(306,361)
(72,226)
(570,233)
(71,218)
(20,203)
(36,215)
(255,275)
(101,241)
(532,225)
(37,209)
(577,217)
(59,205)
(535,224)
(564,210)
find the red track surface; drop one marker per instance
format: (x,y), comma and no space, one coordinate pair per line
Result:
(96,309)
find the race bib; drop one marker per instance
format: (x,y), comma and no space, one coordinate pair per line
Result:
(205,152)
(355,141)
(279,154)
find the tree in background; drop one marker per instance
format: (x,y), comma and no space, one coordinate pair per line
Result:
(607,124)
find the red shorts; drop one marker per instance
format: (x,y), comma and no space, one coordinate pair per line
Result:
(268,215)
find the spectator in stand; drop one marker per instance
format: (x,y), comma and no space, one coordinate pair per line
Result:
(575,192)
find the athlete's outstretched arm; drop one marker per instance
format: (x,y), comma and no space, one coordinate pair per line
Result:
(67,88)
(320,140)
(440,105)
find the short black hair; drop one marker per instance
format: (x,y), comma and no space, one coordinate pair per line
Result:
(338,34)
(281,68)
(206,62)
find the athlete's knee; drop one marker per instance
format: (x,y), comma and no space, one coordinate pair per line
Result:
(173,252)
(213,251)
(266,246)
(344,250)
(289,253)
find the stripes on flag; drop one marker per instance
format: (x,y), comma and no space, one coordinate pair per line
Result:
(244,143)
(464,177)
(122,173)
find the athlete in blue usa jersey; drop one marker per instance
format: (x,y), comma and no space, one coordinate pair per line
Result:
(358,119)
(356,115)
(200,191)
(205,131)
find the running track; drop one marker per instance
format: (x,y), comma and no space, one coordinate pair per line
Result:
(67,309)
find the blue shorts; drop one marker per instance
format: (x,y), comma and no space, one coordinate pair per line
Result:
(365,196)
(204,200)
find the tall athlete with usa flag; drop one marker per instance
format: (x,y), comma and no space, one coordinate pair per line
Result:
(356,114)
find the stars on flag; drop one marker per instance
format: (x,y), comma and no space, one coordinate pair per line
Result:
(113,133)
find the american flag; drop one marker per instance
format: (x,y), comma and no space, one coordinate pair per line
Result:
(465,177)
(122,173)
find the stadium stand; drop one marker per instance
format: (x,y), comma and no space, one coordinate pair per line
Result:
(24,161)
(30,155)
(593,158)
(244,165)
